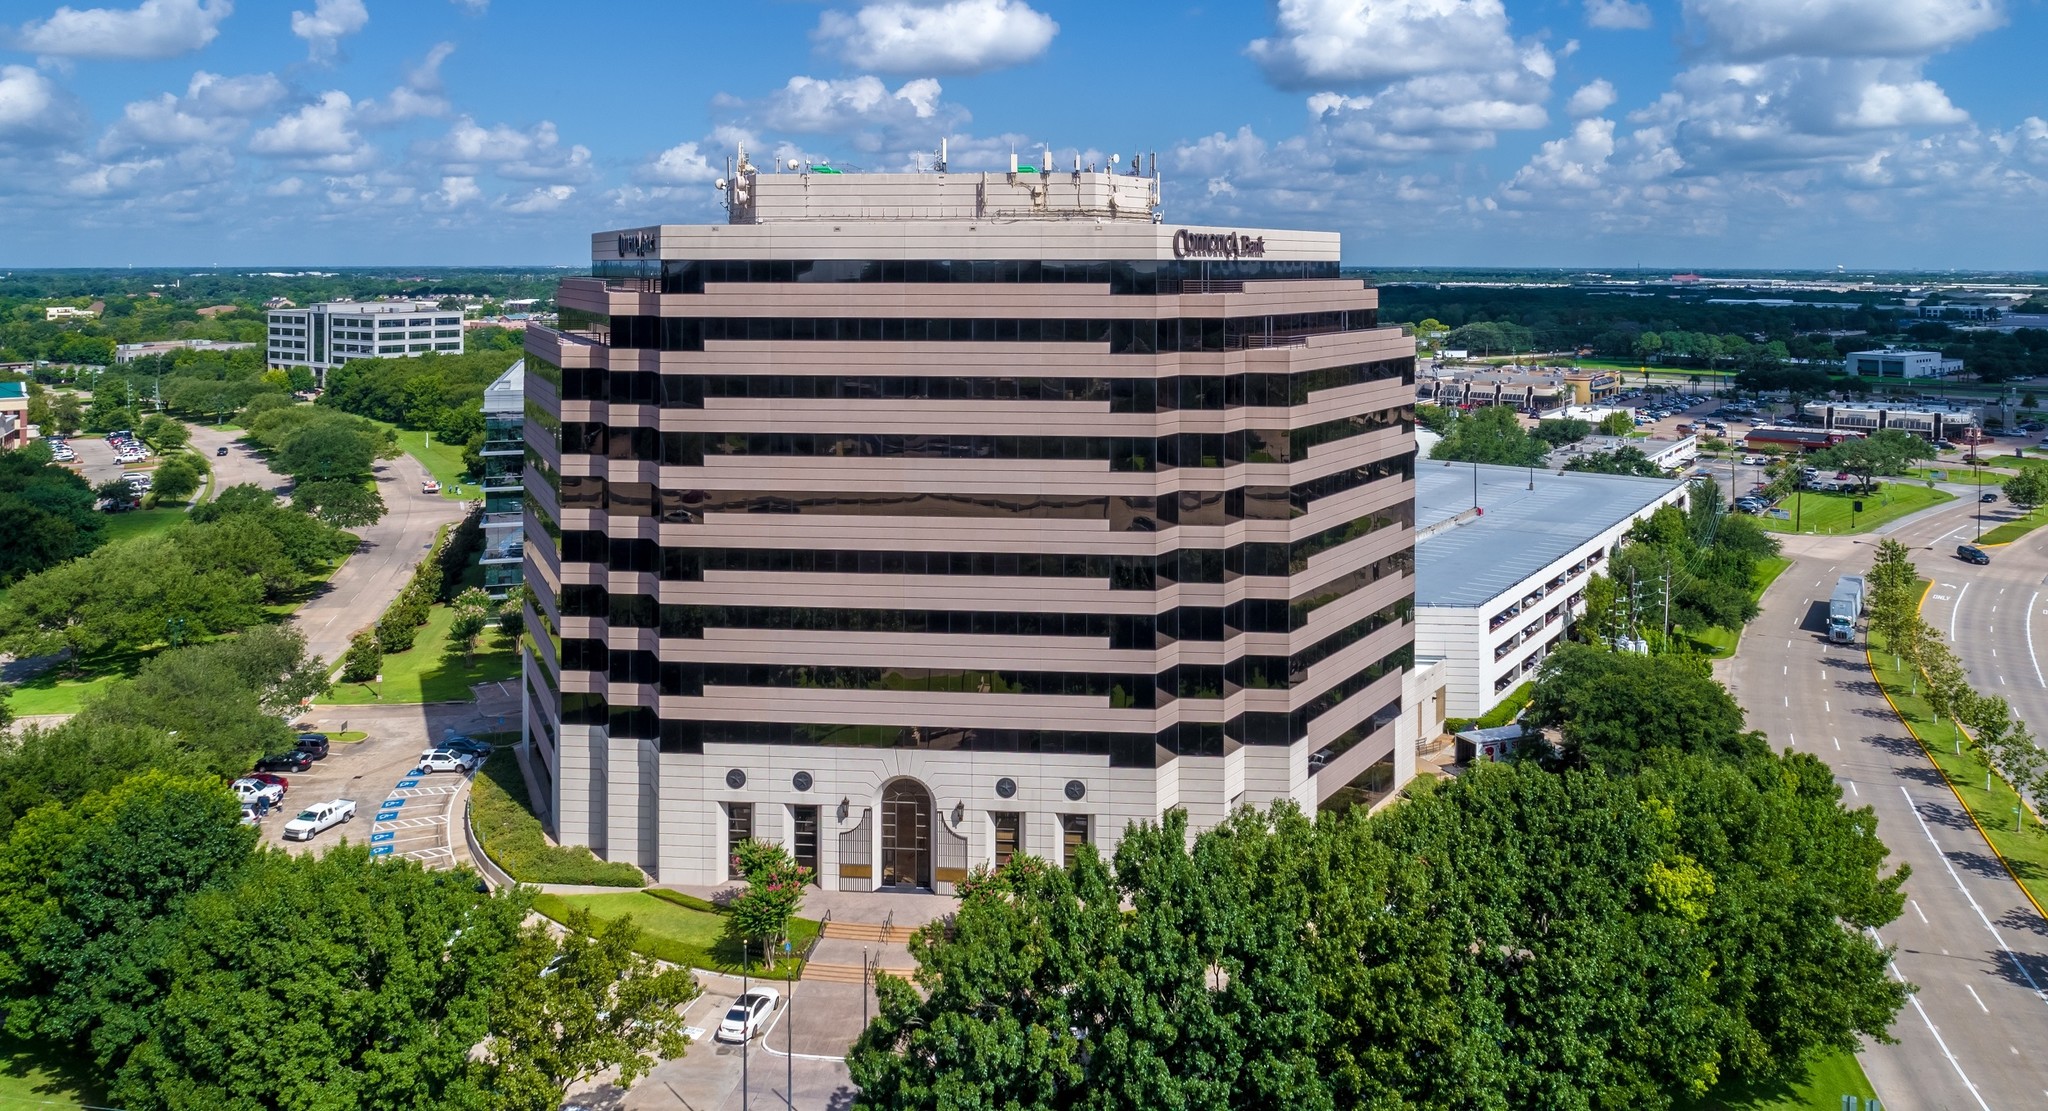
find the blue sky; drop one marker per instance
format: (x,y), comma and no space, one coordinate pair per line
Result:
(1572,133)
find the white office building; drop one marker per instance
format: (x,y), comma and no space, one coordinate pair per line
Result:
(1502,558)
(1893,363)
(323,336)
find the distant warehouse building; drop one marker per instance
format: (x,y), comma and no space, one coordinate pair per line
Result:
(129,352)
(323,336)
(1502,558)
(1893,363)
(1795,439)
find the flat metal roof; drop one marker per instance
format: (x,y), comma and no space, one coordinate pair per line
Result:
(1463,559)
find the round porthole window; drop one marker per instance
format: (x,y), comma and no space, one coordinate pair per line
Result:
(801,781)
(1076,789)
(1006,787)
(735,779)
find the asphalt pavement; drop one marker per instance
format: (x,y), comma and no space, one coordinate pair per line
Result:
(239,466)
(1973,1034)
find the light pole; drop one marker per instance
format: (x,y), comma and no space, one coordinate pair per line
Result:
(1978,470)
(746,1025)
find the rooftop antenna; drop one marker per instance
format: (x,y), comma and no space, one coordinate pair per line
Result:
(941,164)
(1045,164)
(1013,163)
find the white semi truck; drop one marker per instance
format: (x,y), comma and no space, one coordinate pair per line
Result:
(1844,608)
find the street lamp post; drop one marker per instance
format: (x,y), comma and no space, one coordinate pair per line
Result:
(746,1026)
(1978,470)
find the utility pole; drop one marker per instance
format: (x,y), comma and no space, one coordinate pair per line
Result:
(1667,601)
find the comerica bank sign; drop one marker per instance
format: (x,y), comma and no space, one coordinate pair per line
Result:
(1195,244)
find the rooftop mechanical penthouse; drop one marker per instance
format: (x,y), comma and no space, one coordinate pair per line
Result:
(917,520)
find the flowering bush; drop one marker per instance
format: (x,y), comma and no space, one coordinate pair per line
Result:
(773,895)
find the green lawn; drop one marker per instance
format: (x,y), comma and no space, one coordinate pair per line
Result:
(32,1075)
(679,934)
(510,832)
(1826,1082)
(2024,853)
(430,671)
(1830,514)
(140,522)
(443,461)
(1720,643)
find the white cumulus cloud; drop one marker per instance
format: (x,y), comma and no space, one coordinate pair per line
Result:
(33,108)
(214,109)
(320,135)
(682,164)
(547,198)
(327,24)
(956,36)
(154,29)
(534,153)
(1618,15)
(1325,43)
(1750,30)
(1592,99)
(860,111)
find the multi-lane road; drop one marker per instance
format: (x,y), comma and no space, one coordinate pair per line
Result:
(1975,1034)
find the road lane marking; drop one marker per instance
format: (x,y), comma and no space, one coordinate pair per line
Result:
(1824,705)
(1958,609)
(1838,743)
(1788,700)
(1972,899)
(1852,788)
(1953,1063)
(1980,1002)
(1918,911)
(2036,660)
(1785,669)
(2001,680)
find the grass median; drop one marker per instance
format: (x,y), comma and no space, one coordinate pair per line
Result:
(1835,514)
(512,837)
(681,934)
(433,670)
(2013,530)
(1990,800)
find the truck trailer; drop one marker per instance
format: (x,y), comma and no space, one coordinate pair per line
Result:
(1844,608)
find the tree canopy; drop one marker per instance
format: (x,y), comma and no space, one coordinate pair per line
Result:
(1492,434)
(48,510)
(1613,709)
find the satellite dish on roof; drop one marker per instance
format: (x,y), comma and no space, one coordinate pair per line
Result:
(793,163)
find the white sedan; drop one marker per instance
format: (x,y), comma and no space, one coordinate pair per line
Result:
(319,816)
(748,1014)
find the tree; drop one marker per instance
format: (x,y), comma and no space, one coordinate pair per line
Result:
(124,597)
(1894,608)
(48,511)
(327,450)
(1885,452)
(1611,709)
(1627,459)
(1558,432)
(177,478)
(336,980)
(574,1007)
(1948,685)
(774,893)
(164,434)
(512,613)
(92,889)
(1616,423)
(472,614)
(1490,435)
(364,659)
(341,503)
(65,415)
(2028,490)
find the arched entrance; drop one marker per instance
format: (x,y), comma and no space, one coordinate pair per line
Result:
(906,835)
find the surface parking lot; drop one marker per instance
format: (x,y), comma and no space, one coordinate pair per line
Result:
(397,813)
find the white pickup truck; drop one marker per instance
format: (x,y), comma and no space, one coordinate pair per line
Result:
(319,816)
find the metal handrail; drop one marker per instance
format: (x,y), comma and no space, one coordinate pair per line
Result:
(817,938)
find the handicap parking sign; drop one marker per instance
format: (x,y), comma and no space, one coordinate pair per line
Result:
(384,836)
(390,804)
(403,783)
(380,850)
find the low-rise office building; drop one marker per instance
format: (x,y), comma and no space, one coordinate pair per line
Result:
(1795,439)
(1952,422)
(129,352)
(1897,363)
(323,336)
(1502,558)
(1524,391)
(13,414)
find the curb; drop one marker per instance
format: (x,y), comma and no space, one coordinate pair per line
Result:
(1939,770)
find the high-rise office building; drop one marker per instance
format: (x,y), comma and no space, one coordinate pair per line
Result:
(503,481)
(323,336)
(917,520)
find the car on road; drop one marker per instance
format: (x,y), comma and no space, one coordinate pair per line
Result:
(1987,497)
(314,745)
(318,817)
(442,760)
(251,790)
(282,784)
(221,450)
(748,1014)
(1971,553)
(430,487)
(297,760)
